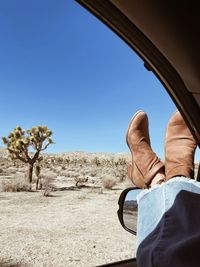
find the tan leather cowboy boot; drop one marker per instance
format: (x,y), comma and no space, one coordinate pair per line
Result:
(145,163)
(180,147)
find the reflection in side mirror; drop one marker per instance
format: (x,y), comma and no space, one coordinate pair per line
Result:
(128,209)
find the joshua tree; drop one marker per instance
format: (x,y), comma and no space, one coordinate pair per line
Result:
(67,160)
(75,161)
(97,161)
(59,160)
(84,160)
(122,161)
(19,142)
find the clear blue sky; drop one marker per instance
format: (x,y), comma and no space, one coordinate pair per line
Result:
(63,68)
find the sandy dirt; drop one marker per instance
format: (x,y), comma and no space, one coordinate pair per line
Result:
(71,228)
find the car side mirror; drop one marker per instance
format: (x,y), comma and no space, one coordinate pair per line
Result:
(128,209)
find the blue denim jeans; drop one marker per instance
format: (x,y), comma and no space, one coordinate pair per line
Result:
(168,224)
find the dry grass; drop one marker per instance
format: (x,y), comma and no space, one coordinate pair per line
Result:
(108,182)
(17,184)
(7,263)
(48,179)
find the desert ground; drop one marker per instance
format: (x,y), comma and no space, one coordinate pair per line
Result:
(73,220)
(76,223)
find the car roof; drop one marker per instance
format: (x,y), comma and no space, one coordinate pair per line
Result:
(165,34)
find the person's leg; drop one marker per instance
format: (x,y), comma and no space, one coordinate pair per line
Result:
(166,234)
(168,224)
(154,202)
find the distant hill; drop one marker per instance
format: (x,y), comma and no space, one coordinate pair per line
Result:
(82,154)
(78,154)
(90,155)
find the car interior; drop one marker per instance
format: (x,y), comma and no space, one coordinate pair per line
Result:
(165,36)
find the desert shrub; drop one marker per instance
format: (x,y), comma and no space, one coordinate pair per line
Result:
(93,173)
(76,175)
(63,168)
(90,179)
(17,184)
(84,160)
(69,174)
(121,173)
(75,161)
(59,161)
(64,173)
(96,161)
(85,172)
(67,160)
(80,180)
(122,161)
(57,169)
(11,170)
(71,169)
(48,180)
(88,171)
(108,172)
(108,182)
(105,162)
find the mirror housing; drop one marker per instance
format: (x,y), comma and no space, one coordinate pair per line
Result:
(127,212)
